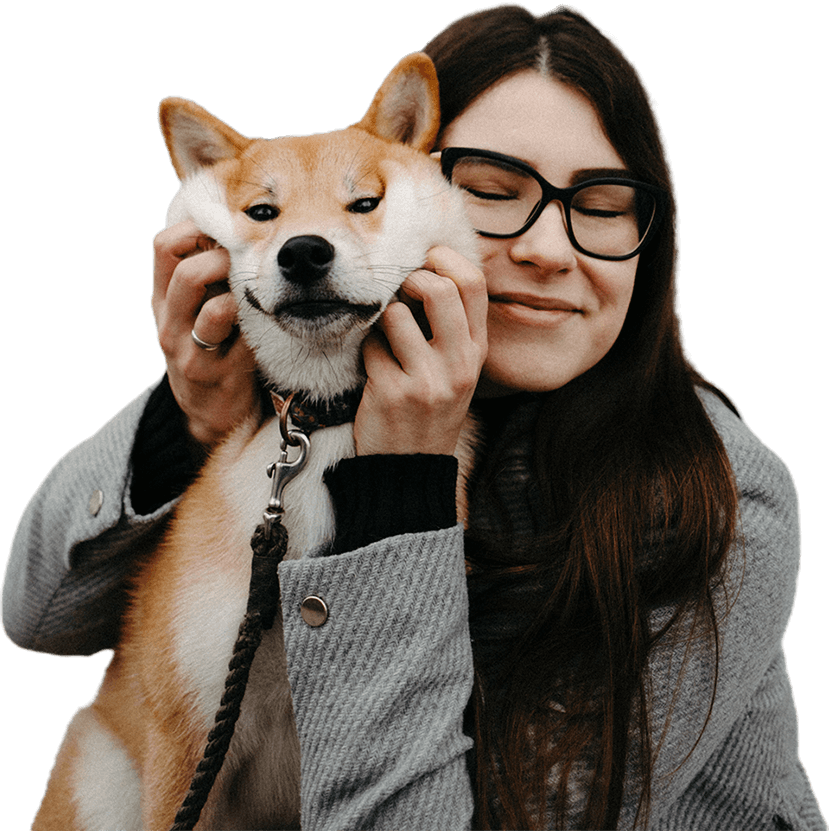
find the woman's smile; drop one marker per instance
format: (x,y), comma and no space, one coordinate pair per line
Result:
(532,310)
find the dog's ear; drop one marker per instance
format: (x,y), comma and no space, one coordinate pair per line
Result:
(406,108)
(195,138)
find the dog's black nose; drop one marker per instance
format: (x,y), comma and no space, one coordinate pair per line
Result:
(305,259)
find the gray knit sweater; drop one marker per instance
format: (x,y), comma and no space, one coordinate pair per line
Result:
(381,733)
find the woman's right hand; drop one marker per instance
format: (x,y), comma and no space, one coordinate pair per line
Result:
(419,386)
(215,389)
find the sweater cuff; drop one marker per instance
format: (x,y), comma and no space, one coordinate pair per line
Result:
(376,497)
(165,458)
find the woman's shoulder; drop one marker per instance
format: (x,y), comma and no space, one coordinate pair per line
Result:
(756,467)
(768,523)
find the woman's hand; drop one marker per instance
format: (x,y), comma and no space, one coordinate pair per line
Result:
(215,389)
(419,390)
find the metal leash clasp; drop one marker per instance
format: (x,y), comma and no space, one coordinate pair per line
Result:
(282,471)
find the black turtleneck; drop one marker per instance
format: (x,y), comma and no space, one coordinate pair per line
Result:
(374,496)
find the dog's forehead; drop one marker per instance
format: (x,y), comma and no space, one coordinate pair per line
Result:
(346,164)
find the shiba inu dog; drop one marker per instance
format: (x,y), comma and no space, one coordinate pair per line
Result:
(321,231)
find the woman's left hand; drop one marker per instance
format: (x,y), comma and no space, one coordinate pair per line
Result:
(418,390)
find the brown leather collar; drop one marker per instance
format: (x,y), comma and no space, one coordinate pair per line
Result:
(308,413)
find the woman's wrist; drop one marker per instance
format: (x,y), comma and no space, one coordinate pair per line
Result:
(165,458)
(380,496)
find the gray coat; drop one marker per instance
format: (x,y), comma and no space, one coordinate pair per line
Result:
(381,733)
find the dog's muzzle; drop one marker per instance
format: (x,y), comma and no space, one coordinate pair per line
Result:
(308,306)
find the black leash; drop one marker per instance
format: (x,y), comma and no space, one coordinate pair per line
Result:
(269,544)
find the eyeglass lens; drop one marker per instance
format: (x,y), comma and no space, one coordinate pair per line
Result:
(606,219)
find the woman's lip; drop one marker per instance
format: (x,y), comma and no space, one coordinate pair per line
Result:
(531,301)
(544,315)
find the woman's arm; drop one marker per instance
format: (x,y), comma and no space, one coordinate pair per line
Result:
(379,689)
(74,546)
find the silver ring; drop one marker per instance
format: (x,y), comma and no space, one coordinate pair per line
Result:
(207,347)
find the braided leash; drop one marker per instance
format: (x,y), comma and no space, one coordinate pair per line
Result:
(269,544)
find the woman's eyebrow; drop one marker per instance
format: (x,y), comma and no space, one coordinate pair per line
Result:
(600,173)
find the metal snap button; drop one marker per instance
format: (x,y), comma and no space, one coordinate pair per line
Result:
(314,610)
(96,500)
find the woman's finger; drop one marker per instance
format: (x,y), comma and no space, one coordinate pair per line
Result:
(171,246)
(471,286)
(216,321)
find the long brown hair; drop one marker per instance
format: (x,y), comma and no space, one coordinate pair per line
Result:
(630,472)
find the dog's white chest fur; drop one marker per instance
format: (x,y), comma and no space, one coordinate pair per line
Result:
(210,605)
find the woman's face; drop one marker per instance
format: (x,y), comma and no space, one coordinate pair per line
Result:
(553,312)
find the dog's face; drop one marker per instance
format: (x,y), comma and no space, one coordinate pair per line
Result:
(321,230)
(320,244)
(308,215)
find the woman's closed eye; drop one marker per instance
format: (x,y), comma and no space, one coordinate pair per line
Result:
(600,213)
(490,195)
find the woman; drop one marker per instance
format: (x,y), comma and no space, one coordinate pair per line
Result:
(632,548)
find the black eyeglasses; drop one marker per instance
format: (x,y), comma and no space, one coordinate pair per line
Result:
(608,218)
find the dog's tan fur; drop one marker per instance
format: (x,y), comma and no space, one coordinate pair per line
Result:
(127,760)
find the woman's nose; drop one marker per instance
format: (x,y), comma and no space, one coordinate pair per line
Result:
(545,243)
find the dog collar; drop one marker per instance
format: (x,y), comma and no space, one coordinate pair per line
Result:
(308,414)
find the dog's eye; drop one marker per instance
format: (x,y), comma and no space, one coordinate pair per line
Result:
(262,213)
(364,206)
